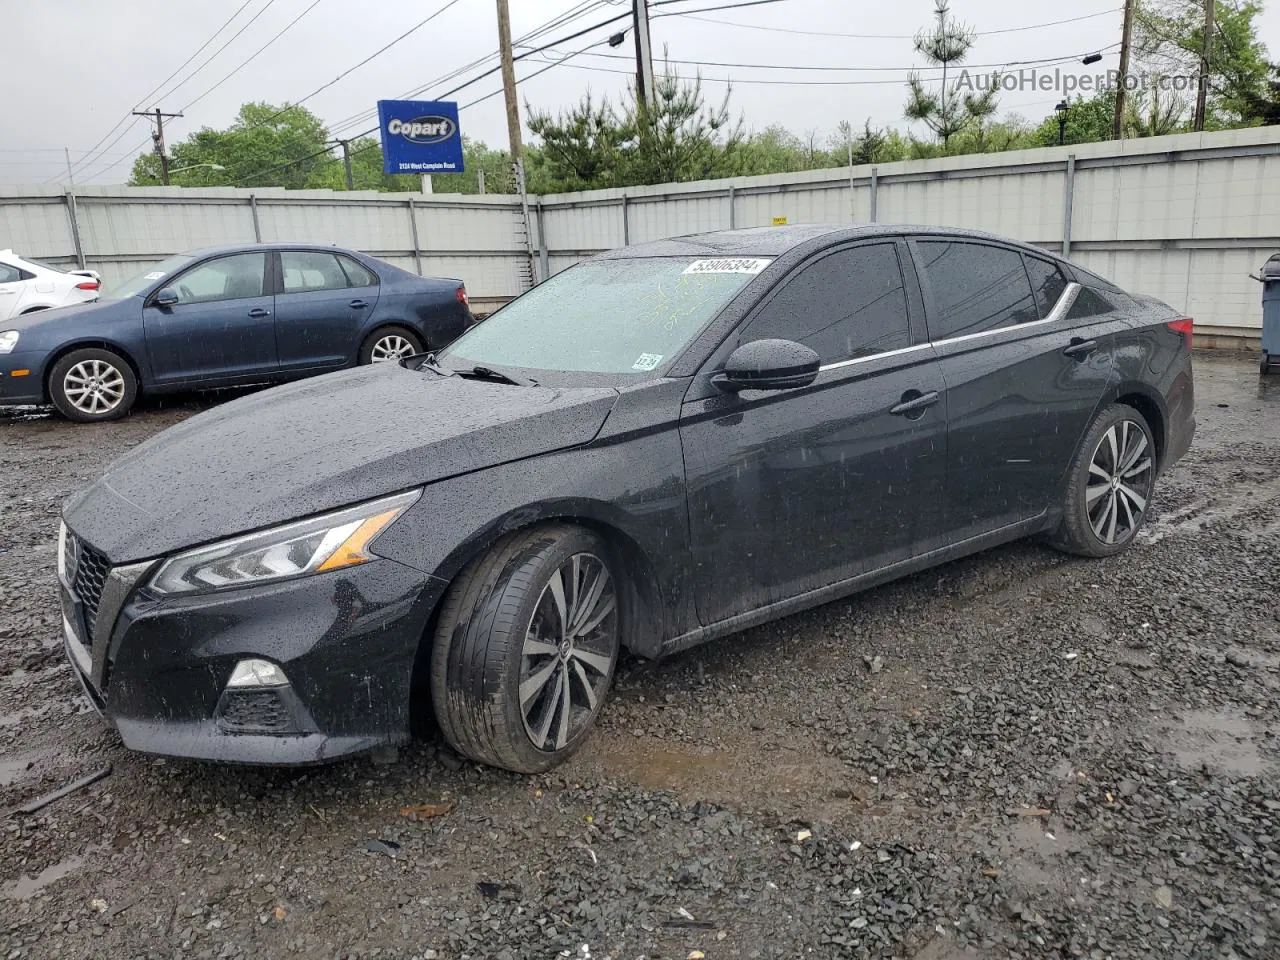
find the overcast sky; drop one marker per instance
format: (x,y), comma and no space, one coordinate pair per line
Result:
(76,68)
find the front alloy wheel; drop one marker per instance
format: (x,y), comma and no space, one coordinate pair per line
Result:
(525,648)
(92,384)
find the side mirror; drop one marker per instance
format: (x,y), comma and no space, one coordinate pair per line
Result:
(768,365)
(166,297)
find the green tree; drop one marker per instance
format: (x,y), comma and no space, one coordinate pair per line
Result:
(680,137)
(578,149)
(872,145)
(1088,121)
(1169,39)
(265,146)
(948,110)
(366,171)
(1265,107)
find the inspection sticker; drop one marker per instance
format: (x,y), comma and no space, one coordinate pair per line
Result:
(154,276)
(749,265)
(647,361)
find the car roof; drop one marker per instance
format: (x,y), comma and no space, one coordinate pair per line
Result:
(251,247)
(775,241)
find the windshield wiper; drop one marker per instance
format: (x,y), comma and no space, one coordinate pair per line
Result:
(498,376)
(429,361)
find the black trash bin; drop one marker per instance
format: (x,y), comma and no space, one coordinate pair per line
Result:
(1271,315)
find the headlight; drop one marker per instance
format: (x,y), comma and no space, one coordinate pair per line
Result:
(8,340)
(324,543)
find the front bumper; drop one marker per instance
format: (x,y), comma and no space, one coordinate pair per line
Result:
(157,668)
(17,387)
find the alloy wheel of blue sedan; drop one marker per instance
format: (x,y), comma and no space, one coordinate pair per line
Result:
(391,347)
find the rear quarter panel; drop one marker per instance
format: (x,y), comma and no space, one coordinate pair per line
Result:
(423,304)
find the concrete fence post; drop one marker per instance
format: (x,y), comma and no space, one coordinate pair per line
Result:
(253,211)
(73,216)
(875,191)
(544,253)
(1069,192)
(626,221)
(733,203)
(413,231)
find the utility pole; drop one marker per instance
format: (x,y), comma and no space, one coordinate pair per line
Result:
(158,138)
(346,162)
(1126,40)
(644,53)
(71,178)
(509,84)
(1203,95)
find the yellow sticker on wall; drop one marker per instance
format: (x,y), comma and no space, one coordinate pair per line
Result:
(779,221)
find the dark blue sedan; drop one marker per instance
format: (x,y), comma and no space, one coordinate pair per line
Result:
(225,317)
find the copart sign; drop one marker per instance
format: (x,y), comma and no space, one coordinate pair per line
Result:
(420,136)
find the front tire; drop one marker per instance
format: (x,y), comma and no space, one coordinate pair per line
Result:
(91,385)
(526,647)
(1109,486)
(390,344)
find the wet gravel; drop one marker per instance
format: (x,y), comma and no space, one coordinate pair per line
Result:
(1017,755)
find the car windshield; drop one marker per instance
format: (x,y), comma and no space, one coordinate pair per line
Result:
(144,280)
(606,316)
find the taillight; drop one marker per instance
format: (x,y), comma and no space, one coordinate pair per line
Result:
(88,285)
(461,294)
(1186,327)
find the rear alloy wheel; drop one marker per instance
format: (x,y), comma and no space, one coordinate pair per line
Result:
(526,648)
(390,344)
(1110,486)
(91,385)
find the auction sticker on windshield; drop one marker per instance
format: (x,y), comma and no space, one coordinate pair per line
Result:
(749,265)
(647,361)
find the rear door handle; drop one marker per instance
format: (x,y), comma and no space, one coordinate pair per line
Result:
(1080,349)
(358,304)
(914,403)
(259,312)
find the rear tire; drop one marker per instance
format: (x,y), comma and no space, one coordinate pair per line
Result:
(526,647)
(390,344)
(1109,486)
(91,385)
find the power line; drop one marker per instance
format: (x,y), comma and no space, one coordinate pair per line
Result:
(885,36)
(87,162)
(283,30)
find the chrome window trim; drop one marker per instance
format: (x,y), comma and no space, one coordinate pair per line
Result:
(874,356)
(1059,311)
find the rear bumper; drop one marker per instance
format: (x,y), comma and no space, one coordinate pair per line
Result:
(1181,428)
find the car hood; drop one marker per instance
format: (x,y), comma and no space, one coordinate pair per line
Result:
(31,325)
(316,445)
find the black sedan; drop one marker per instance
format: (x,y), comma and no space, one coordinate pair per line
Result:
(662,445)
(225,317)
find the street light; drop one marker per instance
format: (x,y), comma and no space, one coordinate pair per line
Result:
(197,166)
(1062,109)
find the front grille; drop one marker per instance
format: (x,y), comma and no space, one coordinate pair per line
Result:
(255,710)
(90,577)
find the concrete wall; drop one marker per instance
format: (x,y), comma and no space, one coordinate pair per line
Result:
(1184,218)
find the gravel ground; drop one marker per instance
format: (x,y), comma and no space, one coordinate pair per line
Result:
(1016,755)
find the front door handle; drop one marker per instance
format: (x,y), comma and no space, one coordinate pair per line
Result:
(259,312)
(1080,349)
(914,404)
(358,304)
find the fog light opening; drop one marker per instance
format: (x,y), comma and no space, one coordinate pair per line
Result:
(255,674)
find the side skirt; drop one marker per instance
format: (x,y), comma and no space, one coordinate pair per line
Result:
(864,581)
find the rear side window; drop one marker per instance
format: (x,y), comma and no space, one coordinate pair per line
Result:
(9,274)
(1047,282)
(975,288)
(306,270)
(357,274)
(848,304)
(1090,303)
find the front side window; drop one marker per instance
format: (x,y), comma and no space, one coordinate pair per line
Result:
(845,305)
(1047,282)
(975,288)
(306,270)
(237,277)
(627,316)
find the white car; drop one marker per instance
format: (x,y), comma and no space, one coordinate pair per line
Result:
(26,286)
